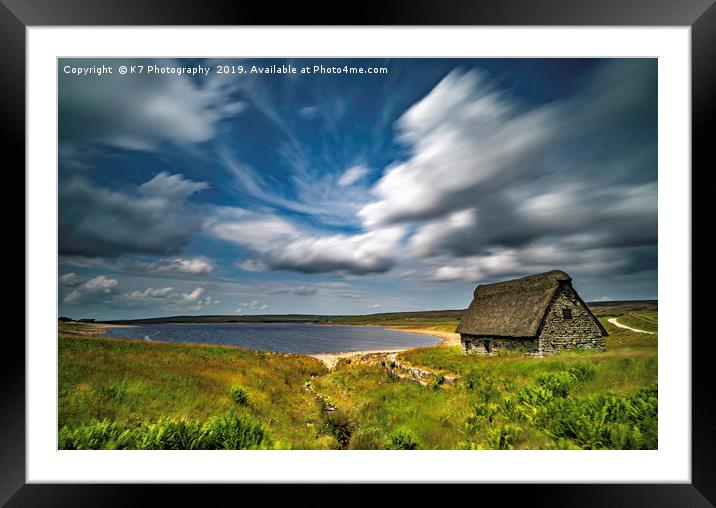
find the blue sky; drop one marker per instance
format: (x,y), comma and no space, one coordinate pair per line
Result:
(352,193)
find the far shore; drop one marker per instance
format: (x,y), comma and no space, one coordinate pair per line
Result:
(329,359)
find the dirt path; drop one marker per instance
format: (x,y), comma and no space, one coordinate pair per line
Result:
(616,323)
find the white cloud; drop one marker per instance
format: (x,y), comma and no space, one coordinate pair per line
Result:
(464,135)
(503,263)
(252,265)
(352,175)
(147,295)
(193,296)
(182,266)
(261,232)
(491,181)
(298,290)
(70,279)
(188,266)
(309,112)
(166,298)
(371,252)
(278,244)
(443,230)
(253,306)
(91,289)
(170,187)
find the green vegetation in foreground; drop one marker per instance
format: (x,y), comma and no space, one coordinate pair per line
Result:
(575,399)
(228,432)
(131,392)
(128,394)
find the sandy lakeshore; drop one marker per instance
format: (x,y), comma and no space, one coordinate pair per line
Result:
(90,329)
(331,359)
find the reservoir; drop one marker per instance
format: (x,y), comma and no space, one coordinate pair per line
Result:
(302,338)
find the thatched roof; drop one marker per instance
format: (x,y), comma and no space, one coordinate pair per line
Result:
(514,308)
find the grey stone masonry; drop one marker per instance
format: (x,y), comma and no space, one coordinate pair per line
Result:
(484,345)
(574,329)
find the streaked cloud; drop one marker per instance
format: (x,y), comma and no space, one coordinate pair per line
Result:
(175,266)
(335,195)
(352,175)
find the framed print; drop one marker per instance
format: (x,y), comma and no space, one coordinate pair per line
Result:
(406,249)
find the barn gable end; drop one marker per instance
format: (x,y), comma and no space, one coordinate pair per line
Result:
(569,324)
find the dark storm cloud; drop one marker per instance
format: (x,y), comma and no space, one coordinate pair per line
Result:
(155,218)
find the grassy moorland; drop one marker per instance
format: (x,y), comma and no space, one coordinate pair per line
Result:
(646,321)
(131,385)
(438,320)
(125,394)
(569,400)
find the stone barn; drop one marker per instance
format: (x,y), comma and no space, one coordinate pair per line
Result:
(537,314)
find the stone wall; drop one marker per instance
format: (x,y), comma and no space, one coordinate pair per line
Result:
(579,331)
(483,345)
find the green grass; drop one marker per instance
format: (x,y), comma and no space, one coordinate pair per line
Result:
(129,394)
(575,399)
(228,432)
(441,324)
(134,384)
(647,321)
(503,403)
(380,406)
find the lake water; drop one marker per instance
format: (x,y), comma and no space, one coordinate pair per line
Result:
(301,338)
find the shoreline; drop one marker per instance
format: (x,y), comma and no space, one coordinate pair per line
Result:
(87,329)
(330,359)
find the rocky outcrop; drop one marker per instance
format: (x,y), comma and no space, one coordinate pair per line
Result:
(418,375)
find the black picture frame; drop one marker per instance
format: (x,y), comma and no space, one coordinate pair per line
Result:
(700,15)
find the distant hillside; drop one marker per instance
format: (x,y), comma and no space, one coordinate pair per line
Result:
(617,307)
(613,308)
(264,318)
